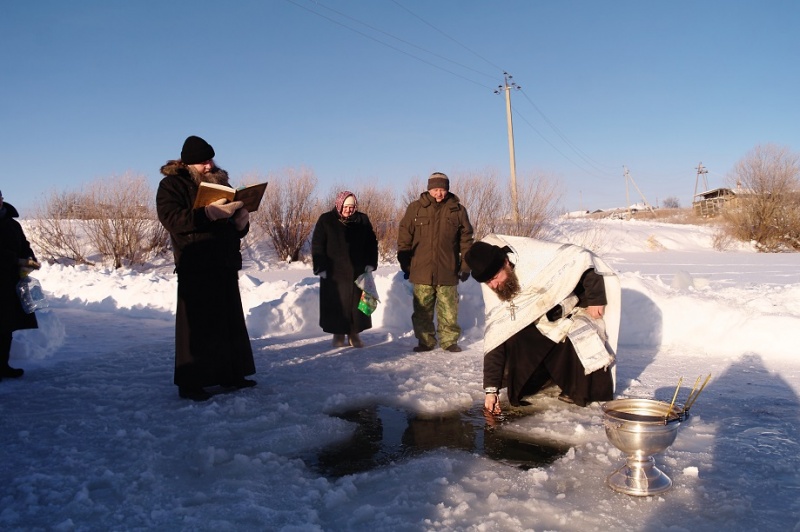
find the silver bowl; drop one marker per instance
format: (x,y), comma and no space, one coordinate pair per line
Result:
(640,428)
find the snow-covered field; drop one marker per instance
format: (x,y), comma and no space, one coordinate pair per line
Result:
(94,436)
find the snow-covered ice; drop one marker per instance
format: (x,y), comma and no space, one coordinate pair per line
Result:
(94,436)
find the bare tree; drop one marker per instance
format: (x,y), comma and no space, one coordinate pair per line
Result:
(289,212)
(767,202)
(412,190)
(256,233)
(115,217)
(57,228)
(672,203)
(121,221)
(380,204)
(480,194)
(537,203)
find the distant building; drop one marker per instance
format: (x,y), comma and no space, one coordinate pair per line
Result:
(712,202)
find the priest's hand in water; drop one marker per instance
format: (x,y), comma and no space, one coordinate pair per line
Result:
(491,403)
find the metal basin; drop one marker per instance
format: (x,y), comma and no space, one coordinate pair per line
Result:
(641,428)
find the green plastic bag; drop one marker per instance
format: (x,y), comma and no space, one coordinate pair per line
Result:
(367,304)
(369,296)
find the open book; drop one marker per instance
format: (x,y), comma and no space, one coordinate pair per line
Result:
(251,195)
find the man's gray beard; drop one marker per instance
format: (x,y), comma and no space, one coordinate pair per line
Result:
(217,176)
(510,287)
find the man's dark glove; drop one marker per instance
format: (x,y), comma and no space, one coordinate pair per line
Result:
(463,276)
(406,274)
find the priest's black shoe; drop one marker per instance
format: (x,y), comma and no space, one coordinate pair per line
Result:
(244,383)
(195,394)
(11,373)
(566,398)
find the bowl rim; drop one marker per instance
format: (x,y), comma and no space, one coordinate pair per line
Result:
(609,411)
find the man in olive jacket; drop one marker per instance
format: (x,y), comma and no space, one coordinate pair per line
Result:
(433,237)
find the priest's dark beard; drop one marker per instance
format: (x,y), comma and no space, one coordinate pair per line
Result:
(217,176)
(510,287)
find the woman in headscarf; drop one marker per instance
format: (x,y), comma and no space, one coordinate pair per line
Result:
(343,247)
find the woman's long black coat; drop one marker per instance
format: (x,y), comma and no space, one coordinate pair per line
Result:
(212,346)
(13,246)
(342,250)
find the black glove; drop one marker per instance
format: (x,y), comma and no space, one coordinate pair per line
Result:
(463,276)
(406,274)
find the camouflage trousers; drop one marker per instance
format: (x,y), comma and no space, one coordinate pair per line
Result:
(444,301)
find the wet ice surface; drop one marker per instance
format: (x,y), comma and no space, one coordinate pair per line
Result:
(385,435)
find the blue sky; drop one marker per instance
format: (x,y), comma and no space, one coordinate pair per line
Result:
(383,91)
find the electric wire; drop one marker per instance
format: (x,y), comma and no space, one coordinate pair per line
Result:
(598,168)
(583,155)
(473,52)
(388,45)
(373,28)
(567,157)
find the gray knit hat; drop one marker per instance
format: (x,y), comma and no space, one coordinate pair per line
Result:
(438,180)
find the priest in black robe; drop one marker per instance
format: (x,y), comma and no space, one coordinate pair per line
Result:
(552,318)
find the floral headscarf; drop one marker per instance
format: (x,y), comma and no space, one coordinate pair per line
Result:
(340,197)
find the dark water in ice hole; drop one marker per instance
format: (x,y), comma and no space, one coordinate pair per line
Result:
(385,435)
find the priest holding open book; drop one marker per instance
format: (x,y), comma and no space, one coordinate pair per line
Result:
(212,346)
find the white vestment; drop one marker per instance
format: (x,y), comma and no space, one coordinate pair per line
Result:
(548,273)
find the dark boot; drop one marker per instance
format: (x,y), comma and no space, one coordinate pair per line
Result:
(5,354)
(241,383)
(11,373)
(195,394)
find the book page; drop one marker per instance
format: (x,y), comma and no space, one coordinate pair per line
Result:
(251,196)
(211,192)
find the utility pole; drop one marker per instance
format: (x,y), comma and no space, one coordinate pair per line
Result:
(506,87)
(701,170)
(627,197)
(646,204)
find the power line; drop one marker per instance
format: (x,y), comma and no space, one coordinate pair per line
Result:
(403,40)
(567,157)
(388,45)
(476,54)
(583,155)
(580,153)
